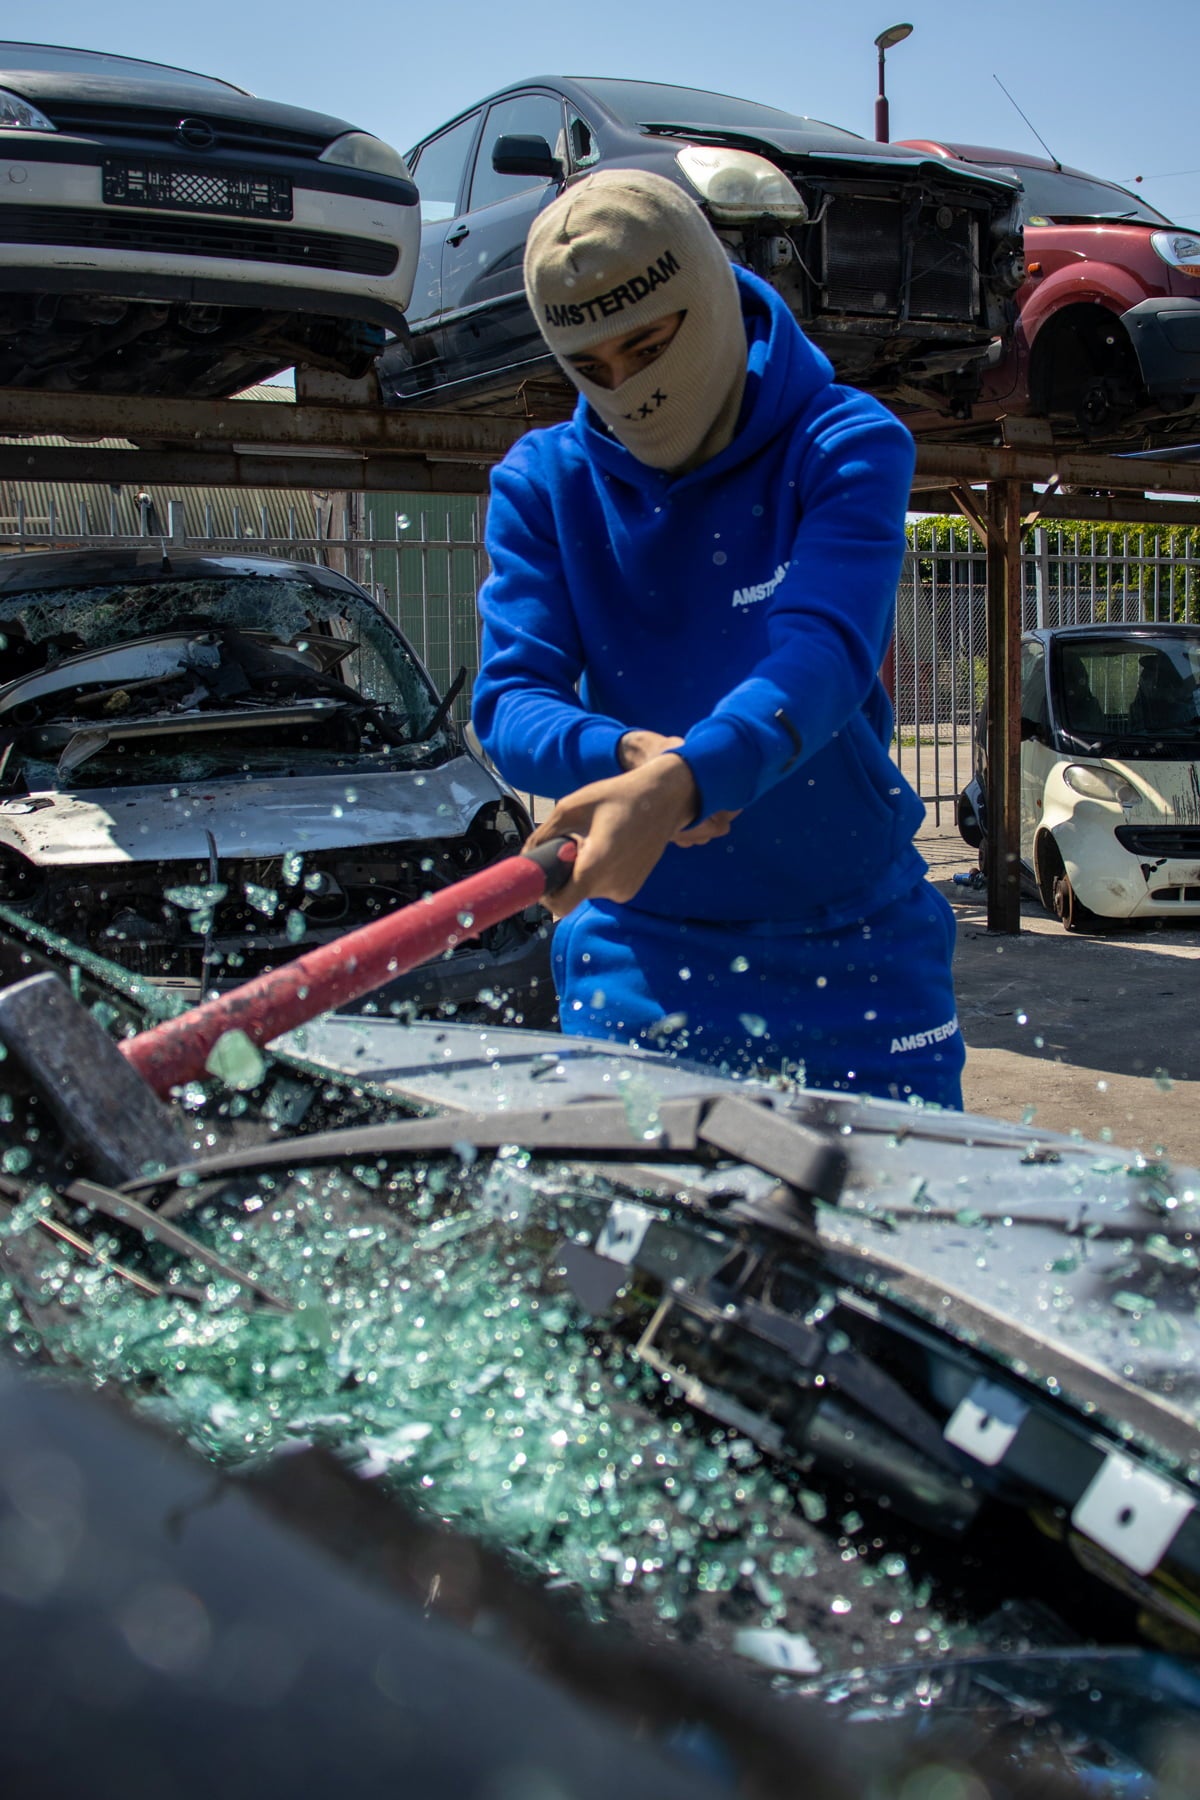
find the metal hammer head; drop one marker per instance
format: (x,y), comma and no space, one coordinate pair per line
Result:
(113,1123)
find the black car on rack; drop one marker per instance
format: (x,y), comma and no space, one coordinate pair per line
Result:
(901,266)
(163,232)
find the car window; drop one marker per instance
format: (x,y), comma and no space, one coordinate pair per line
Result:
(439,169)
(30,57)
(642,102)
(1138,689)
(582,142)
(525,115)
(1054,196)
(1033,684)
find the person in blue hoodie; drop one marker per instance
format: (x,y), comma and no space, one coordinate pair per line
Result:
(691,592)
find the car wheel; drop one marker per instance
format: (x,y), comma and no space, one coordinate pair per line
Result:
(1069,909)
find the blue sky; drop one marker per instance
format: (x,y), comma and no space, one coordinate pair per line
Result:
(1100,79)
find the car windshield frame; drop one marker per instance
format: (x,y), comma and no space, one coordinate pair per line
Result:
(1092,722)
(54,59)
(641,103)
(381,669)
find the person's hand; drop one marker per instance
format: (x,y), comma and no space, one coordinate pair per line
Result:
(624,824)
(705,830)
(637,748)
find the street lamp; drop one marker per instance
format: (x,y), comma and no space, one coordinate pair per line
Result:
(895,34)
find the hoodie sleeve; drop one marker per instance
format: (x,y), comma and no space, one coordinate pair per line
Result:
(830,618)
(526,707)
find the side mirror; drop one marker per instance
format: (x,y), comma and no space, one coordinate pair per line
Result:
(520,155)
(1030,728)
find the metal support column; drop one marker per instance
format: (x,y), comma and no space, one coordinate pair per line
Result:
(1004,606)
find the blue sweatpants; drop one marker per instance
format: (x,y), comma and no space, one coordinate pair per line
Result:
(867,1008)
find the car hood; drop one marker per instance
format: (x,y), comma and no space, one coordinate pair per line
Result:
(43,88)
(247,818)
(799,146)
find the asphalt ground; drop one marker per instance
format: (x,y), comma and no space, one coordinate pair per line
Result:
(1095,1034)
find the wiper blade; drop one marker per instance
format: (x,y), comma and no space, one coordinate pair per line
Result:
(811,1162)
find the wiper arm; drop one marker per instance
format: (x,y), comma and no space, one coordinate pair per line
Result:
(811,1163)
(443,712)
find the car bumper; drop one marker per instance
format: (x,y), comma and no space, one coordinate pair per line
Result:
(1115,884)
(339,253)
(1165,335)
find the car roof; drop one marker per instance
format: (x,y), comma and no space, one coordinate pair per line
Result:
(51,569)
(1131,628)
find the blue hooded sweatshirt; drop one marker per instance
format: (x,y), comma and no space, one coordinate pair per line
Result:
(744,606)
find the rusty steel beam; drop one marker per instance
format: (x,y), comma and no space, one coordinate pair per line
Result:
(1115,509)
(1004,607)
(937,463)
(228,469)
(469,437)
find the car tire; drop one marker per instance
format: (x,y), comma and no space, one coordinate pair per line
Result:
(1069,909)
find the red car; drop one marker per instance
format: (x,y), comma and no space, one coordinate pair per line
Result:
(1107,340)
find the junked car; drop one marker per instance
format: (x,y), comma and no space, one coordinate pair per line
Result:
(212,763)
(163,232)
(900,266)
(1110,772)
(891,1409)
(1107,338)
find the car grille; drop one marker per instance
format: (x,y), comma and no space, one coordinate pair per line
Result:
(249,242)
(865,245)
(148,125)
(1160,840)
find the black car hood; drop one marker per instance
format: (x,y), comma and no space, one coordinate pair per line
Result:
(809,147)
(43,88)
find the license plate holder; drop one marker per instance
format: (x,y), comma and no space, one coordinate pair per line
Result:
(182,187)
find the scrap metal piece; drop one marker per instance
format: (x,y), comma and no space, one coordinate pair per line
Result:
(110,1119)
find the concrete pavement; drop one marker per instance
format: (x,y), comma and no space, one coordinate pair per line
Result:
(1099,1035)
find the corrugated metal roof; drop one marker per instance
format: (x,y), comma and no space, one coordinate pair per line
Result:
(60,511)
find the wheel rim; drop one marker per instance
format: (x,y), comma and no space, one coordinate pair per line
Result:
(1066,906)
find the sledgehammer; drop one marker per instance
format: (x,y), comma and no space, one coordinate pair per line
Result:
(102,1093)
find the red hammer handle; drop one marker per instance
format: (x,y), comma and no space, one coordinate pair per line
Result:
(177,1051)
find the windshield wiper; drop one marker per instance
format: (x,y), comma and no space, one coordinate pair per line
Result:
(443,712)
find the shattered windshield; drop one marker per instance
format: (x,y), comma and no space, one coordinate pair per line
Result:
(1135,694)
(182,679)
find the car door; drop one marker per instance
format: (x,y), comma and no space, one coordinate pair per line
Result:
(486,323)
(1038,756)
(440,168)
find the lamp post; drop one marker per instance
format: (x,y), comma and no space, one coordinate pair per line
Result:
(895,34)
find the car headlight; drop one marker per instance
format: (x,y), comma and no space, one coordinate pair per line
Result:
(737,184)
(359,150)
(1099,784)
(1179,248)
(17,114)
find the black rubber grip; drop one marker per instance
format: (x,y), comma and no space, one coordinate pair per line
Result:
(550,859)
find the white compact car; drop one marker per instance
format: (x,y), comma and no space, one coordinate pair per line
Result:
(1110,772)
(163,232)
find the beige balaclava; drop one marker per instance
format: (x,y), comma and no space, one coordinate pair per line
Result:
(621,249)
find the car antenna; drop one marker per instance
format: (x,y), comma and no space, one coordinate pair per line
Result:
(165,566)
(1037,134)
